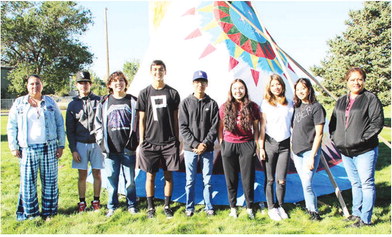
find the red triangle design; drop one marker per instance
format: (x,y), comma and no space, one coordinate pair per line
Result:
(233,63)
(289,66)
(209,49)
(255,75)
(194,34)
(191,11)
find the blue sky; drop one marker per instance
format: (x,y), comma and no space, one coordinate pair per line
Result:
(301,28)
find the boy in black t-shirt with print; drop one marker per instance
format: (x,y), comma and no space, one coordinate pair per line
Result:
(158,131)
(115,128)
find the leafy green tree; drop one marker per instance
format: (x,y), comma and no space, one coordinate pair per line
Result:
(42,38)
(98,86)
(366,43)
(130,69)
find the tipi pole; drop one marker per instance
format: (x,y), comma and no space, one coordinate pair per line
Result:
(338,193)
(275,48)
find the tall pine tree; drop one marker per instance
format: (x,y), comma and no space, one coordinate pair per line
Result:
(366,43)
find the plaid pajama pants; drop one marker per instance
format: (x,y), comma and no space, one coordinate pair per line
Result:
(40,157)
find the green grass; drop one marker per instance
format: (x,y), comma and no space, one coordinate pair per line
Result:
(70,222)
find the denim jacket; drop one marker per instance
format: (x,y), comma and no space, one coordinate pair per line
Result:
(17,123)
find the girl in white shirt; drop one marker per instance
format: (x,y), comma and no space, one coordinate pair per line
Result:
(276,115)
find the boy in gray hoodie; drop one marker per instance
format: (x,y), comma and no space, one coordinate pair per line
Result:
(80,133)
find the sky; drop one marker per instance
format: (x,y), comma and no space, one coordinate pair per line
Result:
(301,28)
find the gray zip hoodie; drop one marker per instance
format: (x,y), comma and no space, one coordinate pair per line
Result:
(80,120)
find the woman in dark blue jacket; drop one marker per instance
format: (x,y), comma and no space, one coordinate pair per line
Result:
(356,121)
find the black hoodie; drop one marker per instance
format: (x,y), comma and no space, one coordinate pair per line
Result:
(198,121)
(366,120)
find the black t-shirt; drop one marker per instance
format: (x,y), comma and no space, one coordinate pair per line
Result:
(306,116)
(119,122)
(159,107)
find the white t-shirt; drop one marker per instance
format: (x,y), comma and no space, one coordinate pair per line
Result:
(35,126)
(278,119)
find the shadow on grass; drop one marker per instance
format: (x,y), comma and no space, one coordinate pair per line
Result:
(384,156)
(4,138)
(387,122)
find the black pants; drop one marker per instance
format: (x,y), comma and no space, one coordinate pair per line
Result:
(276,164)
(239,157)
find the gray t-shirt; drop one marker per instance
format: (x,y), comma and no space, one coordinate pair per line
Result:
(306,116)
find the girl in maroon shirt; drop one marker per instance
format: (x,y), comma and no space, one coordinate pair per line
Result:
(238,133)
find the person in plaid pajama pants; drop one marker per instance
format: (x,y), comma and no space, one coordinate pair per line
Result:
(36,136)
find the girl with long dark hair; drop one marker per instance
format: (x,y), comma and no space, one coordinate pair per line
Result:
(238,133)
(308,125)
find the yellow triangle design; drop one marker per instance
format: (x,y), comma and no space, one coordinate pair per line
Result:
(210,25)
(254,60)
(221,38)
(238,51)
(208,8)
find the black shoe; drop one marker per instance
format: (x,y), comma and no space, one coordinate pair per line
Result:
(314,216)
(352,218)
(168,212)
(359,223)
(151,213)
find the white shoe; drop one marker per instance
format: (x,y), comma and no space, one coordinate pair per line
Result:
(274,214)
(110,213)
(282,213)
(233,212)
(250,213)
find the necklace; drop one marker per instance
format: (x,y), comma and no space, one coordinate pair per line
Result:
(36,104)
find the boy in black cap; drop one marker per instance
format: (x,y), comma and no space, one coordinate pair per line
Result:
(198,120)
(80,124)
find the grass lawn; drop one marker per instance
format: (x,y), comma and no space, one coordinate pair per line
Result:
(68,221)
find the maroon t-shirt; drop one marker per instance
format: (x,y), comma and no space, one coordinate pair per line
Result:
(240,135)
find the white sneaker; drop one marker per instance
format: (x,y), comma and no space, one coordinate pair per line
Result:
(250,213)
(110,213)
(274,214)
(233,212)
(282,213)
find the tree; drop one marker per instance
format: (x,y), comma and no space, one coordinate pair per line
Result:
(130,69)
(366,43)
(98,86)
(41,38)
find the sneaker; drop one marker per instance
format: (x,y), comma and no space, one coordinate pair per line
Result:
(250,213)
(168,212)
(274,214)
(210,212)
(359,223)
(151,213)
(133,210)
(189,213)
(96,205)
(82,206)
(233,212)
(314,216)
(110,213)
(282,213)
(352,218)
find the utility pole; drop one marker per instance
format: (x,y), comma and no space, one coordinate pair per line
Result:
(107,43)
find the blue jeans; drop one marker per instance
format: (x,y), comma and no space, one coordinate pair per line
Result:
(306,176)
(191,161)
(115,163)
(360,171)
